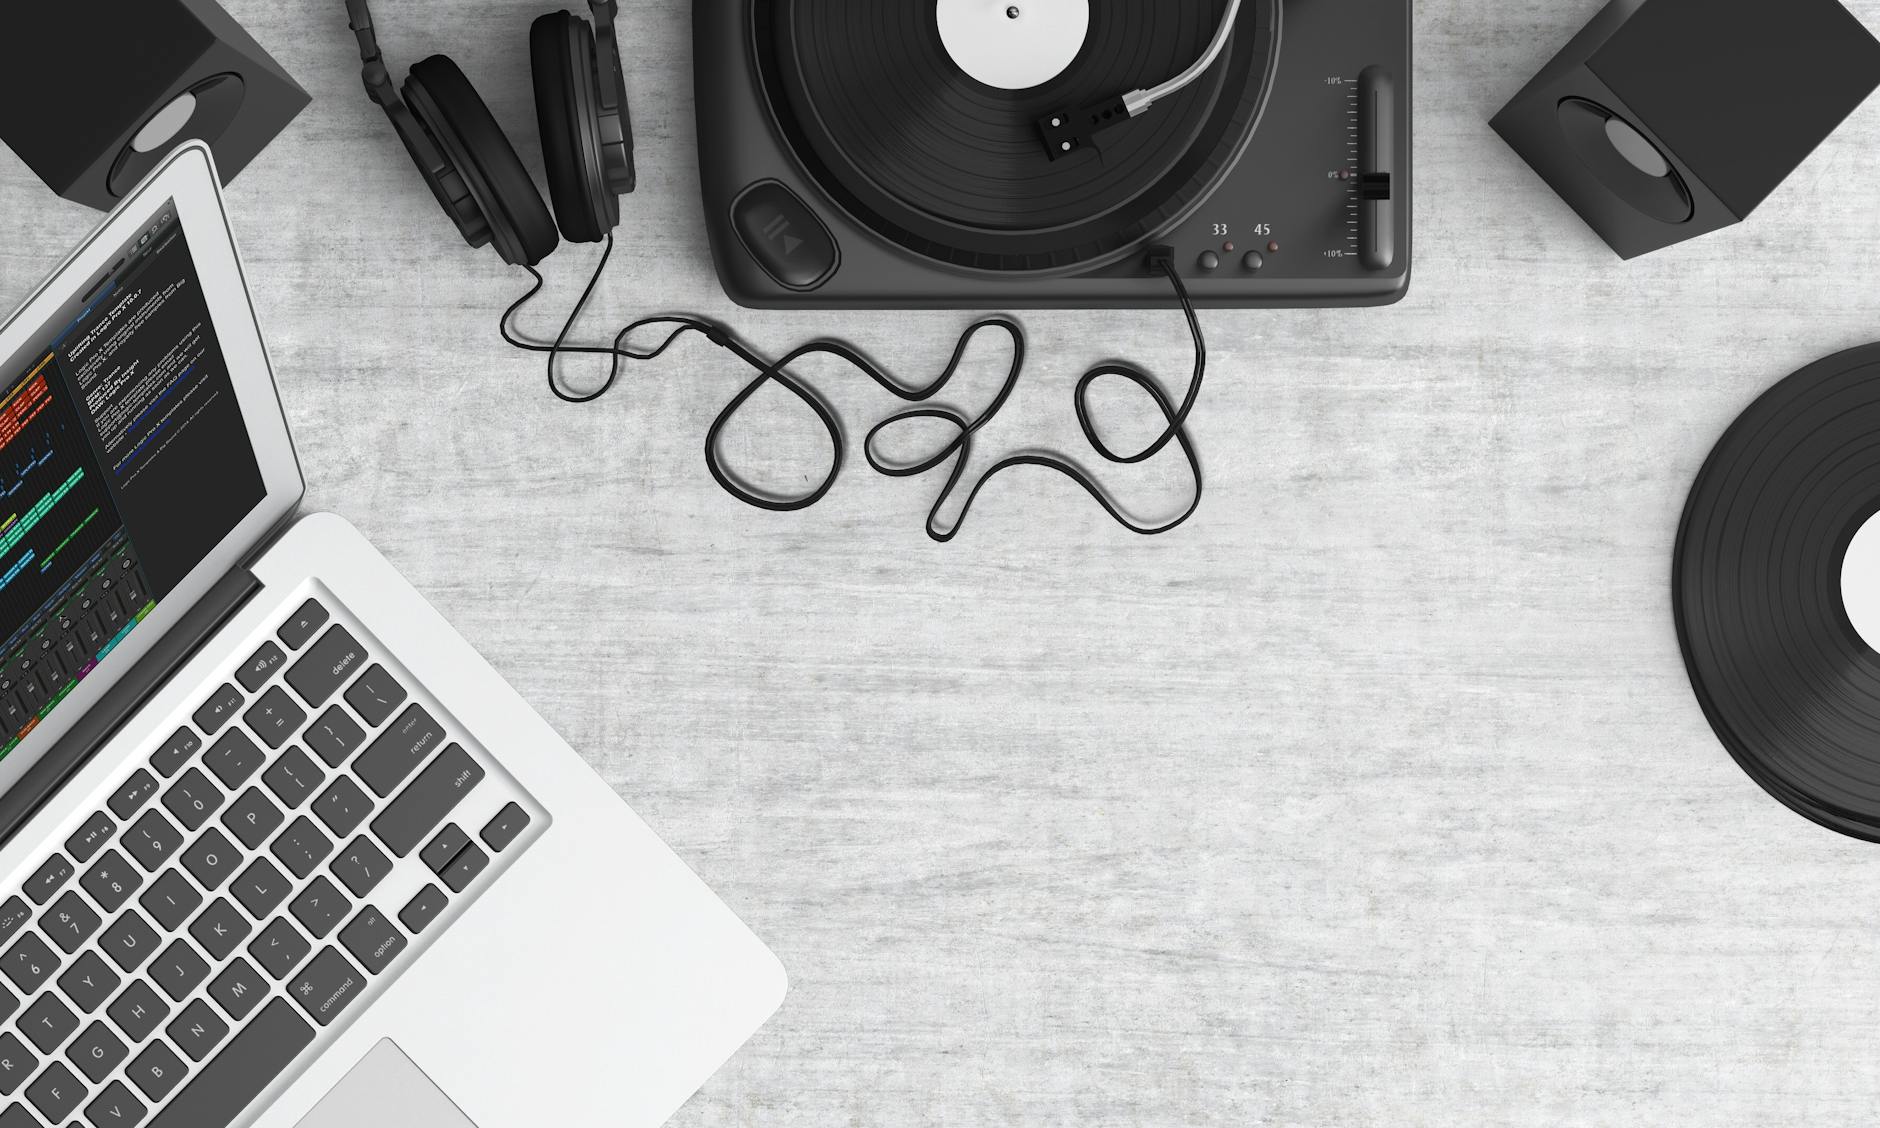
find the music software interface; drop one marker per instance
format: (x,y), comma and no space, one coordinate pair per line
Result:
(123,461)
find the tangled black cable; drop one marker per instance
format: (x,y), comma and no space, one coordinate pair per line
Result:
(1175,418)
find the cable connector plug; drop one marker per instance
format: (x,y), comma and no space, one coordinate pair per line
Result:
(1161,258)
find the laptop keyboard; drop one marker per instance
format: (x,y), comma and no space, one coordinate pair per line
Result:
(275,860)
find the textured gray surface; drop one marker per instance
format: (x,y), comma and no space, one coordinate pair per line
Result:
(1375,796)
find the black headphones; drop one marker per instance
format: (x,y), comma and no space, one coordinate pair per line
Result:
(587,144)
(473,170)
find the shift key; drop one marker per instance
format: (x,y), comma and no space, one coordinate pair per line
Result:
(411,817)
(329,664)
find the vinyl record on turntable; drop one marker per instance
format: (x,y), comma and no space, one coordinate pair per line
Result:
(1776,591)
(908,114)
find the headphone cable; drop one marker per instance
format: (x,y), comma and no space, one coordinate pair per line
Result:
(1174,417)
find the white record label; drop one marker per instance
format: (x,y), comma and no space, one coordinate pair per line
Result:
(1860,582)
(1014,44)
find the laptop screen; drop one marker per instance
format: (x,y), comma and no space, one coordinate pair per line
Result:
(124,461)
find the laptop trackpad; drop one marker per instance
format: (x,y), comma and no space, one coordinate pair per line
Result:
(385,1090)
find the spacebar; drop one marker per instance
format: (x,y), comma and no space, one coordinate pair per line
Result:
(249,1064)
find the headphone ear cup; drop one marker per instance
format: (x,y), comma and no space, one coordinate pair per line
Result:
(561,54)
(442,98)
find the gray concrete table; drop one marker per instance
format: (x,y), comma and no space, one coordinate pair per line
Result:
(1377,795)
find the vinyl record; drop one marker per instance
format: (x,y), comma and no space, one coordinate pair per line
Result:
(1788,683)
(893,127)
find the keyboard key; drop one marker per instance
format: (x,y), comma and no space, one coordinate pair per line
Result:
(48,1022)
(136,791)
(56,1093)
(239,989)
(326,666)
(399,750)
(177,969)
(112,881)
(253,816)
(114,1107)
(319,907)
(17,1063)
(361,865)
(96,1051)
(500,831)
(176,751)
(326,986)
(47,879)
(13,916)
(422,909)
(260,667)
(302,623)
(171,900)
(375,695)
(129,941)
(152,840)
(156,1071)
(219,709)
(89,982)
(293,777)
(234,758)
(91,837)
(211,860)
(374,941)
(411,817)
(279,949)
(342,806)
(334,735)
(197,1030)
(275,718)
(438,852)
(192,799)
(70,922)
(301,847)
(260,888)
(9,1002)
(248,1064)
(219,929)
(138,1010)
(463,869)
(29,963)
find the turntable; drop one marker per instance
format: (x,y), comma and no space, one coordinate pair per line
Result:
(971,153)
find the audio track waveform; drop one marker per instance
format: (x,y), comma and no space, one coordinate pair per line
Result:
(54,554)
(30,521)
(24,403)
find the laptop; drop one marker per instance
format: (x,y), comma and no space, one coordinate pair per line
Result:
(280,848)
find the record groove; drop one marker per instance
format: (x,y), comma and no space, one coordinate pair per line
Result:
(926,156)
(1788,684)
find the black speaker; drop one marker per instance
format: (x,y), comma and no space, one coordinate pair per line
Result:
(94,95)
(1666,119)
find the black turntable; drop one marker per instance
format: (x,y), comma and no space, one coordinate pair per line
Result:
(902,153)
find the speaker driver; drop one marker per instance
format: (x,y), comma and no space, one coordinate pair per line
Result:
(213,105)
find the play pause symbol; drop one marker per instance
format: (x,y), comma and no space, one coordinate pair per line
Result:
(778,232)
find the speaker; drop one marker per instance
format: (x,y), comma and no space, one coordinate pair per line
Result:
(1666,119)
(94,95)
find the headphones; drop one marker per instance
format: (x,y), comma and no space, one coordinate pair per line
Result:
(470,165)
(587,145)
